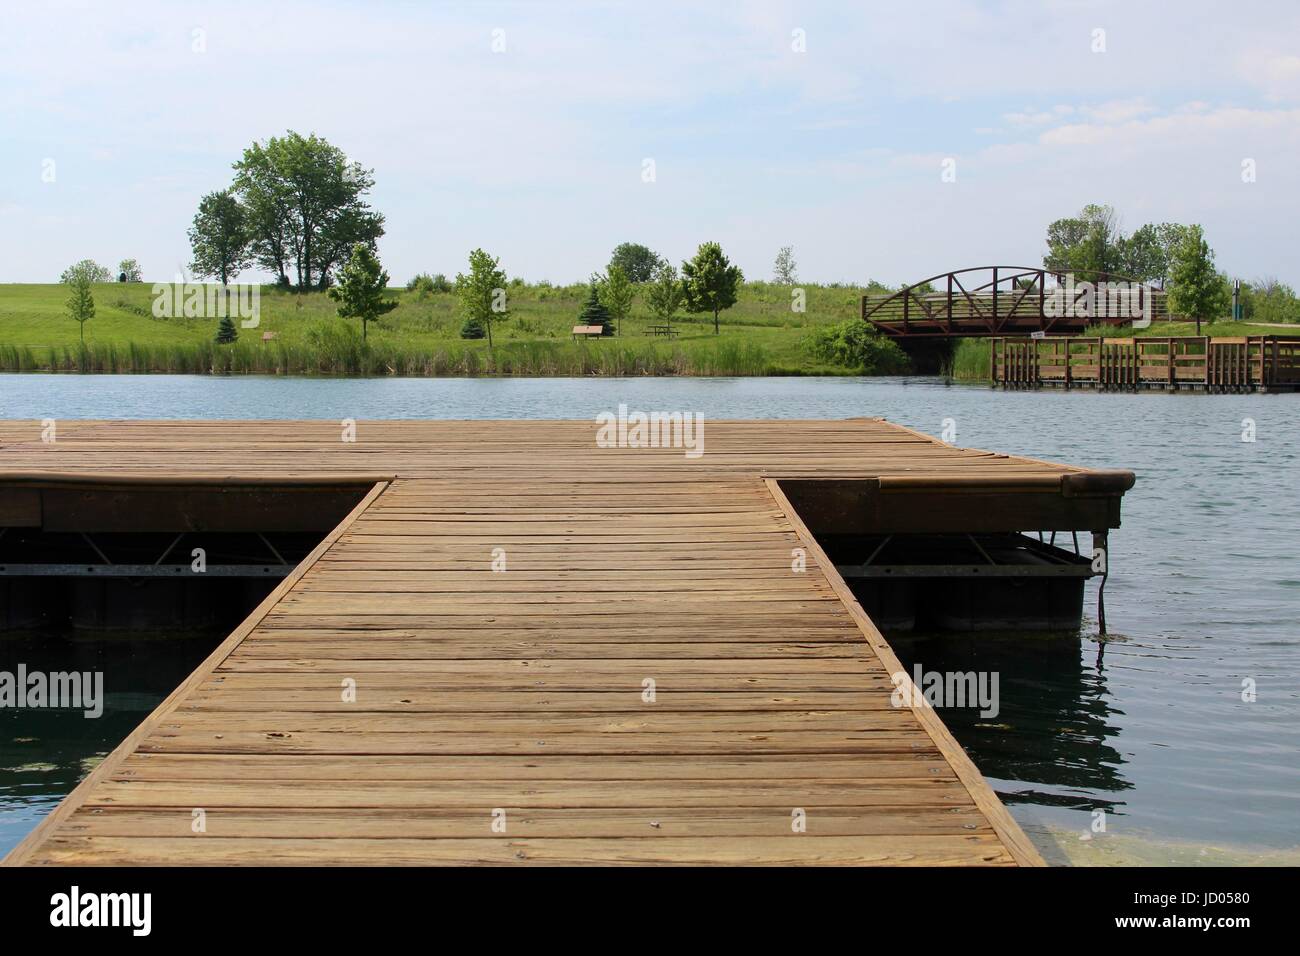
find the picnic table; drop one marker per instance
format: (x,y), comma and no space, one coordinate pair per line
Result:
(660,330)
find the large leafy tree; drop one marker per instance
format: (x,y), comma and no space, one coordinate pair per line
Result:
(617,294)
(306,207)
(711,282)
(219,237)
(81,302)
(1146,254)
(1088,242)
(636,260)
(363,283)
(1142,257)
(482,294)
(1198,289)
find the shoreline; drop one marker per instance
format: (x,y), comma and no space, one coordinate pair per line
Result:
(1064,847)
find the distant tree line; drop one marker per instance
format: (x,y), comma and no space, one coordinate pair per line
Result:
(1174,255)
(128,270)
(708,283)
(1093,242)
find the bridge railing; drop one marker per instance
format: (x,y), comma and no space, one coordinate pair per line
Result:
(1013,299)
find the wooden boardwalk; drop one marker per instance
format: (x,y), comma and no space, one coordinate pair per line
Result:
(522,698)
(1247,363)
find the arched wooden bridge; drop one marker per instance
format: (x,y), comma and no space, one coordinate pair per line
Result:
(987,301)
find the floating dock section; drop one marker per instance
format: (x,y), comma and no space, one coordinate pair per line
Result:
(519,647)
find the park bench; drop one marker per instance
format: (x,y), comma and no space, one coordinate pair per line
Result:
(584,330)
(660,330)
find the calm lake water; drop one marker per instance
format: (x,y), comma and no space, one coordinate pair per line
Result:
(1149,725)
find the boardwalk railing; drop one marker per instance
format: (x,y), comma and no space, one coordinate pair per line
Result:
(1245,363)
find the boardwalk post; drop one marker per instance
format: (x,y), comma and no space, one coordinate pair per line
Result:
(1133,364)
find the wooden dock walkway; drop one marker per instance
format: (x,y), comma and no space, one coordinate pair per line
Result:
(521,698)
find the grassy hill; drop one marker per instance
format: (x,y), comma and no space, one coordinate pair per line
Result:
(760,335)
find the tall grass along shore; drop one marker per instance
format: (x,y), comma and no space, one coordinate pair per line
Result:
(300,334)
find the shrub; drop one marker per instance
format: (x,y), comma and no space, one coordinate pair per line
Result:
(421,285)
(856,345)
(424,285)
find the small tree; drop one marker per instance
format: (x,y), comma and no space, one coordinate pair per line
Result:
(219,237)
(482,295)
(81,303)
(1198,290)
(226,331)
(87,269)
(784,267)
(129,271)
(362,286)
(595,313)
(616,294)
(664,296)
(711,282)
(636,260)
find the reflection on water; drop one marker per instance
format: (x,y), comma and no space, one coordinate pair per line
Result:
(1054,733)
(44,753)
(1151,727)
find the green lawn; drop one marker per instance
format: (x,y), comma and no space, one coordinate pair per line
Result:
(760,335)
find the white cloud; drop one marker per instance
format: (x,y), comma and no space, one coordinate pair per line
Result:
(1119,111)
(535,153)
(1276,74)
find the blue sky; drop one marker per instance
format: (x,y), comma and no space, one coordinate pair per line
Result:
(536,151)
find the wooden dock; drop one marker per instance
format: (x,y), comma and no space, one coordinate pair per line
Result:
(1248,363)
(507,717)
